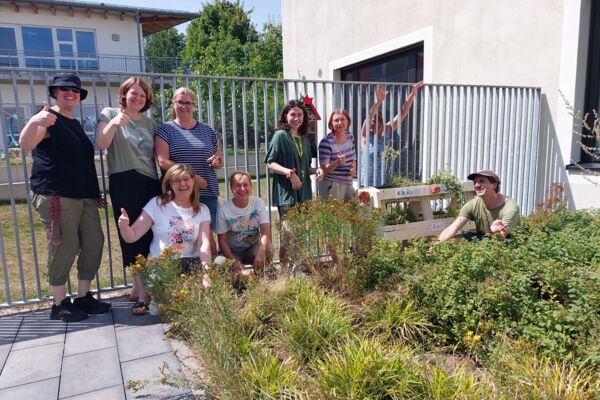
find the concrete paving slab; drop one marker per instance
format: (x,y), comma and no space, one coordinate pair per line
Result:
(9,326)
(39,330)
(142,341)
(148,370)
(24,366)
(111,393)
(88,372)
(42,390)
(124,319)
(98,333)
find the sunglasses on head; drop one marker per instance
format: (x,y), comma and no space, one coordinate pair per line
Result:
(70,89)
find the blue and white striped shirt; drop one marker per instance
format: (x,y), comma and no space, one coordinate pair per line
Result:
(192,146)
(329,151)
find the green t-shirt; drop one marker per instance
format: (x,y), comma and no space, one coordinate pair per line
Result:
(132,147)
(283,151)
(476,211)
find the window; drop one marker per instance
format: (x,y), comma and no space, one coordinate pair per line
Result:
(8,48)
(86,48)
(39,47)
(402,66)
(592,87)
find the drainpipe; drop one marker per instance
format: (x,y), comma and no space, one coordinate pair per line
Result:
(139,35)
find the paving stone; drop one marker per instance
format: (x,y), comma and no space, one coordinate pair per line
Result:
(9,327)
(98,333)
(41,390)
(124,319)
(91,371)
(39,330)
(148,369)
(142,341)
(25,366)
(111,393)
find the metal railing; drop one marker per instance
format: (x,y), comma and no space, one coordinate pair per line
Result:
(460,128)
(88,61)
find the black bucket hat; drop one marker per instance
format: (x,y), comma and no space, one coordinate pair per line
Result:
(68,80)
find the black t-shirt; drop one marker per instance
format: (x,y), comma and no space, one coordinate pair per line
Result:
(63,163)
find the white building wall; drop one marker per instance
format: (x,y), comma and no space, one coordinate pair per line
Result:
(104,28)
(540,43)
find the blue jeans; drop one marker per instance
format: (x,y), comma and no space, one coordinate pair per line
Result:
(212,202)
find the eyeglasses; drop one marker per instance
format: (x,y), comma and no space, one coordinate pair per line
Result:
(70,89)
(184,103)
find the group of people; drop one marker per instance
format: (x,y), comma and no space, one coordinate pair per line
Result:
(179,207)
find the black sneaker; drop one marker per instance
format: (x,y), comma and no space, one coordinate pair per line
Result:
(67,312)
(90,305)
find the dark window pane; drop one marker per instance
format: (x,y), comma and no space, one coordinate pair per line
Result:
(38,46)
(8,48)
(66,49)
(64,35)
(86,44)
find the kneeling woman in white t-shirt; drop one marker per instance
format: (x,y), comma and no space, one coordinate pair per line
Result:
(177,219)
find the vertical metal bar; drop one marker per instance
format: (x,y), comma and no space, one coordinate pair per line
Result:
(162,99)
(223,129)
(266,132)
(12,198)
(5,275)
(199,99)
(234,125)
(425,153)
(245,128)
(255,130)
(210,106)
(361,145)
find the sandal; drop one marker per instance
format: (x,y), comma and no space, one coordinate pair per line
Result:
(139,308)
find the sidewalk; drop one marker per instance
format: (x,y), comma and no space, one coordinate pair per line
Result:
(92,359)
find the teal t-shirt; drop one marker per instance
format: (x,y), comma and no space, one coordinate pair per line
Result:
(132,147)
(284,151)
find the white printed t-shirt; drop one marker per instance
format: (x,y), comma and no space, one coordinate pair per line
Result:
(242,225)
(176,227)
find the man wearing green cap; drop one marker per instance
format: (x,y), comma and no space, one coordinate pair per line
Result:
(491,211)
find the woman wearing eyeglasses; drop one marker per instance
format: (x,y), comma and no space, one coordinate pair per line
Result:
(187,141)
(128,135)
(66,196)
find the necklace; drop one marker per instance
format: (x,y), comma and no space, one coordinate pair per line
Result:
(298,144)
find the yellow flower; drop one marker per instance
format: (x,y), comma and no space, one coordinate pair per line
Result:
(477,338)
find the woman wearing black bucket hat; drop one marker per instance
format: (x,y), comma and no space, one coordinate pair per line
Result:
(66,195)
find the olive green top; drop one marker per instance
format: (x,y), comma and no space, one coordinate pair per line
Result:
(508,212)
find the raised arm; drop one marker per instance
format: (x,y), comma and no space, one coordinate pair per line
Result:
(139,228)
(36,128)
(380,95)
(452,229)
(406,106)
(106,132)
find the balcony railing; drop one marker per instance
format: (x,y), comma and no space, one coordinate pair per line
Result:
(88,61)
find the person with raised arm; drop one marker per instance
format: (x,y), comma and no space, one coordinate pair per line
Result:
(378,136)
(66,195)
(128,135)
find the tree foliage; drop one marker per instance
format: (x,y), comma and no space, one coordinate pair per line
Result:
(223,41)
(162,49)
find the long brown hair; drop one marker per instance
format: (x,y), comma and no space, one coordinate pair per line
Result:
(168,193)
(283,124)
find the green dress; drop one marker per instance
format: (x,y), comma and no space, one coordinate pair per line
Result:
(290,153)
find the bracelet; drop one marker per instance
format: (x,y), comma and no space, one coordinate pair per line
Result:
(292,172)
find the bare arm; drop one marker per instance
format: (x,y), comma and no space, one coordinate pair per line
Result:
(139,228)
(106,132)
(405,107)
(380,95)
(287,172)
(204,240)
(161,150)
(37,128)
(452,229)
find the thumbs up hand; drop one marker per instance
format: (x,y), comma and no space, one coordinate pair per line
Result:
(45,118)
(121,119)
(123,220)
